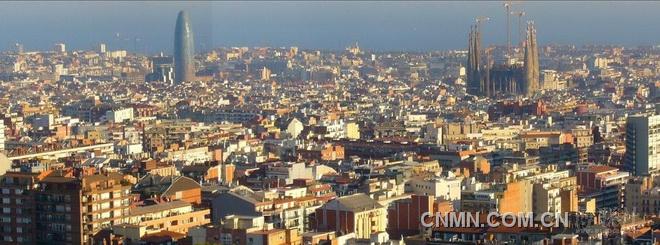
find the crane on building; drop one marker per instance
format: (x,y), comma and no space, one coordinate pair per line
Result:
(507,7)
(520,15)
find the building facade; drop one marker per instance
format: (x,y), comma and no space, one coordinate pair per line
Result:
(355,213)
(642,155)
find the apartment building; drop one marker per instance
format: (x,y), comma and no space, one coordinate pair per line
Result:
(355,213)
(175,216)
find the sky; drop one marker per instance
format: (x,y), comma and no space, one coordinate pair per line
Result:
(375,25)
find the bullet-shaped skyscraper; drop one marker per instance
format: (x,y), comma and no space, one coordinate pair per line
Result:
(184,49)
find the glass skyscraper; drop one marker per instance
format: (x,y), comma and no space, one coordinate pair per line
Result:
(184,49)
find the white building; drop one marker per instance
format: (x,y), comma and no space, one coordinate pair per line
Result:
(188,156)
(335,128)
(295,127)
(119,115)
(642,144)
(59,48)
(432,134)
(546,197)
(2,138)
(448,188)
(129,149)
(117,54)
(292,171)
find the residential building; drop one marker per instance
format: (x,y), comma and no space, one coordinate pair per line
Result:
(642,144)
(176,216)
(603,183)
(356,213)
(446,188)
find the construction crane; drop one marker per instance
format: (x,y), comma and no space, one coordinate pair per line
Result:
(507,7)
(520,15)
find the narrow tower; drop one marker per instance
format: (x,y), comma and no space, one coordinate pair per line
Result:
(531,62)
(184,67)
(473,67)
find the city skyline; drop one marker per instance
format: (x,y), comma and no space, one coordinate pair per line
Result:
(314,123)
(415,26)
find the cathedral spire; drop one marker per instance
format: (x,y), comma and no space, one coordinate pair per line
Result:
(531,62)
(473,67)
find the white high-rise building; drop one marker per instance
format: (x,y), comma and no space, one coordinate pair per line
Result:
(2,138)
(642,144)
(119,115)
(59,48)
(102,48)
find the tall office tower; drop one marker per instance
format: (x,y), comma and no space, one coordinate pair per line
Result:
(102,48)
(531,81)
(184,67)
(642,155)
(59,48)
(473,67)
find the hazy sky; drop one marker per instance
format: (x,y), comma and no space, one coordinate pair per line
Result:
(327,25)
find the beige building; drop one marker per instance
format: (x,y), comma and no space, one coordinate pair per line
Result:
(176,216)
(538,139)
(352,130)
(274,237)
(460,131)
(355,213)
(557,196)
(105,201)
(511,197)
(583,138)
(642,195)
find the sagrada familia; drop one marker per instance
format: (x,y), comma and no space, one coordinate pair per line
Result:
(485,78)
